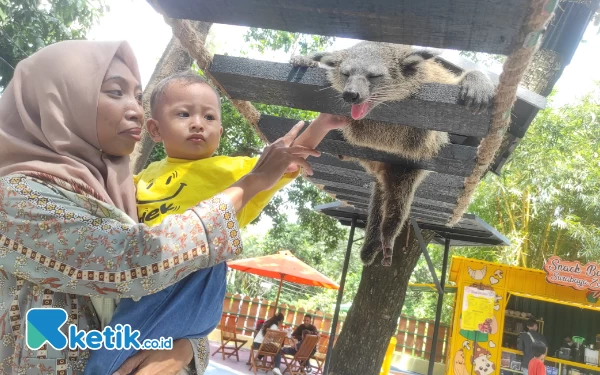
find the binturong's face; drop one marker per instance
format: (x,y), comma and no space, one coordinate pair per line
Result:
(369,74)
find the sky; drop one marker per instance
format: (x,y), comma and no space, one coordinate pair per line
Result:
(136,22)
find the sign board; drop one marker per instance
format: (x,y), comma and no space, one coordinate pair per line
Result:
(477,309)
(573,274)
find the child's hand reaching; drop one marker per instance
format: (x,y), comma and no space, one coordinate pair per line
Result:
(316,131)
(330,122)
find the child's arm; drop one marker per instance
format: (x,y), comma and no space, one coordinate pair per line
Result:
(318,129)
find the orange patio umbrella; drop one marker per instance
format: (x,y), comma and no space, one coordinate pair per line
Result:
(283,266)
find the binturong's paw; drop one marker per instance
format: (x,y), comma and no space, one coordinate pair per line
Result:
(303,61)
(477,91)
(369,252)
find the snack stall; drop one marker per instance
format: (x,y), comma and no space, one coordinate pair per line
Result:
(495,301)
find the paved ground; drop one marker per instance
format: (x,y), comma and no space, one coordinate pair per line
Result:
(229,366)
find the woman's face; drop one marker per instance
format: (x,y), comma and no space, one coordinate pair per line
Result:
(120,113)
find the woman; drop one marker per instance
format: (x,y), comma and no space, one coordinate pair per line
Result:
(272,323)
(69,236)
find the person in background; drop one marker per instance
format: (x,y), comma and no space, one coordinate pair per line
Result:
(536,365)
(272,323)
(306,328)
(568,341)
(525,343)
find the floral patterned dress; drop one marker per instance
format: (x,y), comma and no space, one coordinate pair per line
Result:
(60,246)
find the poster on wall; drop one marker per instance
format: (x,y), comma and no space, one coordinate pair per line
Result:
(573,274)
(477,308)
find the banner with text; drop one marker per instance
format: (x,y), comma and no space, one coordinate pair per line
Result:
(573,274)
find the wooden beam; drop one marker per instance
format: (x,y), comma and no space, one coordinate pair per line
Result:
(420,205)
(484,26)
(437,179)
(435,107)
(361,181)
(453,159)
(420,193)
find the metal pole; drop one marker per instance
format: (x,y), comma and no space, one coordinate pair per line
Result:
(423,246)
(339,297)
(438,311)
(279,292)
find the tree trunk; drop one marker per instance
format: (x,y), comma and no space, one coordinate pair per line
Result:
(373,317)
(175,59)
(544,70)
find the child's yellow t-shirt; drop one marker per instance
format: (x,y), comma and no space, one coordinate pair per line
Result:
(171,186)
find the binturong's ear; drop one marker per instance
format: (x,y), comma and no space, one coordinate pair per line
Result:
(410,63)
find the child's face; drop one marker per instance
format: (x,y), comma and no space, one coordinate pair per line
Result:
(188,121)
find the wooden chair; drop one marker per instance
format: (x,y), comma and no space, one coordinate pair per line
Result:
(270,347)
(229,335)
(297,363)
(321,353)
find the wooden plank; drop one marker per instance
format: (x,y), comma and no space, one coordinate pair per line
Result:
(457,160)
(332,176)
(437,179)
(484,26)
(420,336)
(434,107)
(435,208)
(469,224)
(422,194)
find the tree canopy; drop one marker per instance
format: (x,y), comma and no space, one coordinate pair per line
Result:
(28,25)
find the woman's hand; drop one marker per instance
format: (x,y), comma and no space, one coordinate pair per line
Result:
(159,362)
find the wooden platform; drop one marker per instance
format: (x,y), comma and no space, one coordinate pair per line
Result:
(469,231)
(471,25)
(435,107)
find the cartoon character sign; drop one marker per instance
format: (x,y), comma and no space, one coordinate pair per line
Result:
(482,365)
(460,366)
(592,296)
(477,274)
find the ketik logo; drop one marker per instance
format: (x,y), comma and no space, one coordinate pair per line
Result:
(573,274)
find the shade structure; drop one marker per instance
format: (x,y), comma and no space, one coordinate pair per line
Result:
(283,266)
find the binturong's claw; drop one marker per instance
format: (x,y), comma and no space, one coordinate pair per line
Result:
(387,256)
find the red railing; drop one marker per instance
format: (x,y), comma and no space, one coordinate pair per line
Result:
(414,336)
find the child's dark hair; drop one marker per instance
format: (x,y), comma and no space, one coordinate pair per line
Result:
(531,322)
(187,77)
(538,348)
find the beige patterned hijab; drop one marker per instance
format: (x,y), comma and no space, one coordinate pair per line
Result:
(48,119)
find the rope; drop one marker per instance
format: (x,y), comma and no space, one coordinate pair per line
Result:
(506,94)
(191,39)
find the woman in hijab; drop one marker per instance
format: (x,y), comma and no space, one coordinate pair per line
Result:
(69,236)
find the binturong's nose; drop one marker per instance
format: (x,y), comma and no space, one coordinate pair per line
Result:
(351,96)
